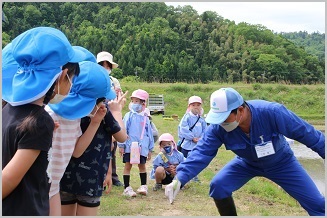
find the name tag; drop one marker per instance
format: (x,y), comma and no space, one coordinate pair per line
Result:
(265,150)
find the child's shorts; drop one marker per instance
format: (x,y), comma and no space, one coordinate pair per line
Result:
(127,158)
(86,201)
(167,180)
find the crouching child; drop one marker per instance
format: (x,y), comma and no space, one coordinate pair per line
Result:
(165,163)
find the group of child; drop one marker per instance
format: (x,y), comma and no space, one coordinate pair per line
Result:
(190,130)
(62,112)
(140,131)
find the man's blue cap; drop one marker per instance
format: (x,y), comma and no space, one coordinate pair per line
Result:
(222,102)
(32,62)
(93,82)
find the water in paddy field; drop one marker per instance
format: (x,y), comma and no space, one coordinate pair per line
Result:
(312,162)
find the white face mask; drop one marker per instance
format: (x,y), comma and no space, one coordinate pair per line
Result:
(231,126)
(58,97)
(109,71)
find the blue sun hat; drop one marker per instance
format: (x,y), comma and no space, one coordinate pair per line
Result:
(9,67)
(88,55)
(222,102)
(93,82)
(32,62)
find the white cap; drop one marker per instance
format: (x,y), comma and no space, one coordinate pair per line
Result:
(106,56)
(115,82)
(222,102)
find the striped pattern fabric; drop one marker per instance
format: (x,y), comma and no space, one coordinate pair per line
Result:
(63,144)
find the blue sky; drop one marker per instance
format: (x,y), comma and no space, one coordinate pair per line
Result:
(276,16)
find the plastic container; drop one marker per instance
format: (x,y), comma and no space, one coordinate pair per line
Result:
(135,153)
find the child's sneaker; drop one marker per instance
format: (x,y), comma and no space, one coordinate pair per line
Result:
(157,187)
(129,192)
(143,190)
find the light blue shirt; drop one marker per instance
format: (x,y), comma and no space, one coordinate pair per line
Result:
(184,126)
(134,126)
(175,159)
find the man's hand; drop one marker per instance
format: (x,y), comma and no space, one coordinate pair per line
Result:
(172,189)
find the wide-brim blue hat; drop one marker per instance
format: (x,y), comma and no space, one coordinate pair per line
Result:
(20,87)
(93,82)
(88,55)
(222,102)
(44,46)
(32,62)
(9,68)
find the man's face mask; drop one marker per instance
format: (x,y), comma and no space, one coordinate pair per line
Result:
(58,97)
(232,125)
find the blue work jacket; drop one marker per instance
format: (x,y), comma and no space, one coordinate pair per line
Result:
(270,122)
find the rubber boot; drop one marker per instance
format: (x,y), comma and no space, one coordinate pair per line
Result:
(226,206)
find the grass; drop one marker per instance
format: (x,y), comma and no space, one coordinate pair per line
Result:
(259,197)
(308,101)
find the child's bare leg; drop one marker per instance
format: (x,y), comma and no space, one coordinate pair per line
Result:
(160,174)
(68,210)
(127,168)
(55,205)
(142,168)
(86,211)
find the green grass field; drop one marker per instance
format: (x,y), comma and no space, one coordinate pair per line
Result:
(259,197)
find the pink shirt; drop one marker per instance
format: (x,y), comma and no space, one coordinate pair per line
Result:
(63,144)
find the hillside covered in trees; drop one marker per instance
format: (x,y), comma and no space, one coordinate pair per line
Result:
(313,43)
(161,43)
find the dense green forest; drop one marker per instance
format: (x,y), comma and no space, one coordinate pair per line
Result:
(313,43)
(160,43)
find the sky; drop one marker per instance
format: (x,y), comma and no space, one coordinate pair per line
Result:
(276,16)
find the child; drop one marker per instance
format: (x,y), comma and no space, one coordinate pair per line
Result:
(88,175)
(165,163)
(191,126)
(139,131)
(27,128)
(92,83)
